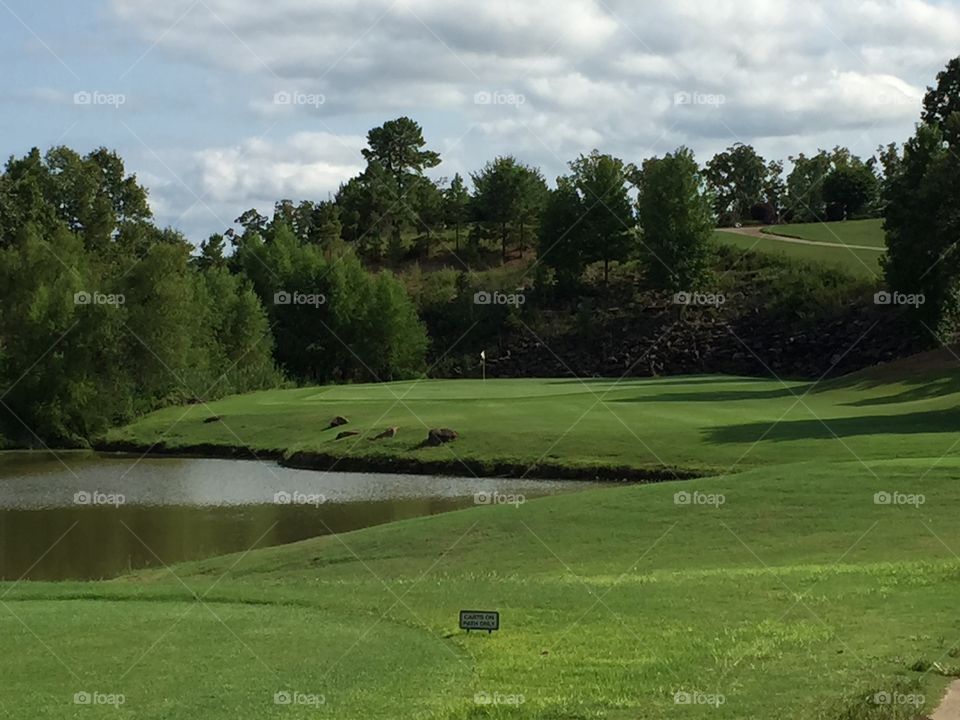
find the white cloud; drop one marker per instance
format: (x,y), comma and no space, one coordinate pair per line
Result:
(592,73)
(305,165)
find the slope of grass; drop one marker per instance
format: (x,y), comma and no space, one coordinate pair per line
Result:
(780,587)
(868,233)
(797,597)
(862,263)
(706,424)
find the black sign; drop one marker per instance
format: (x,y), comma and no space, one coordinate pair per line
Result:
(479,620)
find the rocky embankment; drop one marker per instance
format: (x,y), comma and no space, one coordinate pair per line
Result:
(656,336)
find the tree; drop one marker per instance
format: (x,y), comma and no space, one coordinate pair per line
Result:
(805,201)
(456,205)
(211,252)
(849,190)
(676,218)
(738,177)
(328,229)
(509,196)
(104,315)
(944,100)
(607,229)
(397,147)
(922,216)
(324,313)
(561,248)
(774,195)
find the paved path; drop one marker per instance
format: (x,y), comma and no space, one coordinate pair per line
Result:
(757,233)
(949,708)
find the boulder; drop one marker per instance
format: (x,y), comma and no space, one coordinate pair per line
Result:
(337,422)
(346,434)
(388,433)
(439,436)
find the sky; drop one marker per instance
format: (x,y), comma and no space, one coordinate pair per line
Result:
(223,105)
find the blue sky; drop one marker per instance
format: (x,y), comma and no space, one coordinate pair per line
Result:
(192,92)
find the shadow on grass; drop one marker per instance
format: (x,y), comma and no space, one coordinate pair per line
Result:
(938,421)
(922,390)
(660,382)
(706,396)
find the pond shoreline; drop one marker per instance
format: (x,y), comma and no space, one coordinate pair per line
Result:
(309,460)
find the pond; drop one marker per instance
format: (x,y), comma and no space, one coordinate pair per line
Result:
(82,516)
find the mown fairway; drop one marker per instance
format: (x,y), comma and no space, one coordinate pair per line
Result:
(708,424)
(867,233)
(778,588)
(845,243)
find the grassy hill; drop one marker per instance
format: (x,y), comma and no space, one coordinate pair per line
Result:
(702,423)
(782,586)
(838,238)
(868,233)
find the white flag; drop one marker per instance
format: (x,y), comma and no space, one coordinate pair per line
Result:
(483,354)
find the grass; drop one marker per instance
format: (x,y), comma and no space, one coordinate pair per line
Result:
(792,595)
(860,233)
(708,424)
(868,233)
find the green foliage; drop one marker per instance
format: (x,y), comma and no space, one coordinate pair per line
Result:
(737,178)
(676,218)
(922,224)
(508,199)
(943,101)
(333,320)
(607,228)
(456,205)
(561,246)
(849,190)
(105,316)
(396,159)
(922,212)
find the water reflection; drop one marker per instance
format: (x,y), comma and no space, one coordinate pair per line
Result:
(83,516)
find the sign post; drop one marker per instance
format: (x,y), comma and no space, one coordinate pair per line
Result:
(488,620)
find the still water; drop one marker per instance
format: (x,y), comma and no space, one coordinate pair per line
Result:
(81,516)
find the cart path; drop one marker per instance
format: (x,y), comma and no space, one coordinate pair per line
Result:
(757,232)
(949,708)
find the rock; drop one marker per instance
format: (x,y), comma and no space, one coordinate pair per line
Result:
(346,434)
(388,433)
(439,436)
(337,422)
(212,418)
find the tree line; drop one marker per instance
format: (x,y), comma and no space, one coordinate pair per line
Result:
(104,315)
